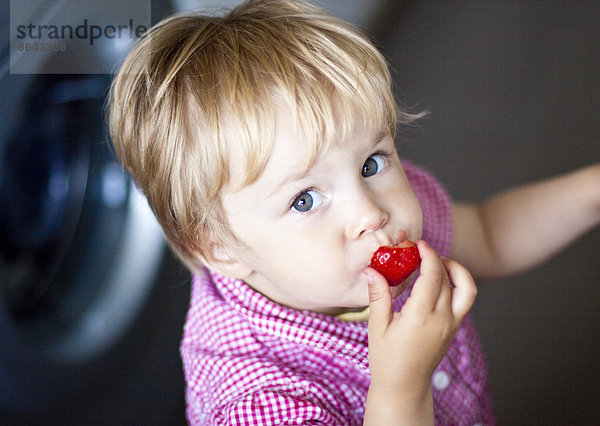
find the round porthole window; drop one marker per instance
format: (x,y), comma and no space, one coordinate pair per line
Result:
(82,305)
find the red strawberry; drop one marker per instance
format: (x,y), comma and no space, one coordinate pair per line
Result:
(396,263)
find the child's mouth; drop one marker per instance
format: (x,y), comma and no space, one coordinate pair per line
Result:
(396,263)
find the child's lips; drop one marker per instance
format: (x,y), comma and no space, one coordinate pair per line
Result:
(383,240)
(396,263)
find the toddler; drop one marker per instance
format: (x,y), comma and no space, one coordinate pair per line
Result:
(264,143)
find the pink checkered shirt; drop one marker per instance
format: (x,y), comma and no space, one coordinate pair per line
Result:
(250,361)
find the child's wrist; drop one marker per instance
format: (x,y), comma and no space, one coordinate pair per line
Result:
(413,394)
(403,406)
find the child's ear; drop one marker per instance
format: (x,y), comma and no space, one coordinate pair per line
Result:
(219,260)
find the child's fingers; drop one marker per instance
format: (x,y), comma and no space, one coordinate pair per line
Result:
(380,303)
(465,290)
(426,290)
(445,295)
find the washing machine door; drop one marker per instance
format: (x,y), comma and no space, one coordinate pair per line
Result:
(91,301)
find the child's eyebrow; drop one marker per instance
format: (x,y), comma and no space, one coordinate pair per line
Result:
(293,177)
(289,179)
(379,137)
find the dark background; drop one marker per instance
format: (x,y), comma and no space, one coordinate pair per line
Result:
(513,93)
(513,89)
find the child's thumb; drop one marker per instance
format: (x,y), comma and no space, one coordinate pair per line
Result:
(380,303)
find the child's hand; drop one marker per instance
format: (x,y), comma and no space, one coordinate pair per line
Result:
(405,347)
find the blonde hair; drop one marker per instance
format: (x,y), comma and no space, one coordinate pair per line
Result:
(173,101)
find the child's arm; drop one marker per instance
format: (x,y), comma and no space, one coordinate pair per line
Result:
(405,347)
(524,226)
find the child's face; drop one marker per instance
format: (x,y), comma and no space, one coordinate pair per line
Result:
(310,235)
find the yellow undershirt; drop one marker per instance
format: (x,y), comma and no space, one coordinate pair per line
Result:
(361,316)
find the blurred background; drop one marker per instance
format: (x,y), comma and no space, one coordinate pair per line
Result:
(92,303)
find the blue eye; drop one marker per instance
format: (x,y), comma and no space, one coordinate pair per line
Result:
(373,165)
(306,201)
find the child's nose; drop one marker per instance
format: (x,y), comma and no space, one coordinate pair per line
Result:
(367,216)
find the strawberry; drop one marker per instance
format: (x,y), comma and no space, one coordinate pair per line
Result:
(396,263)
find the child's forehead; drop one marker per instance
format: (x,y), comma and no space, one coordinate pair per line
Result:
(254,131)
(294,150)
(305,141)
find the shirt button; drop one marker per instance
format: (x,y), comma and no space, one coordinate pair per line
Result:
(440,380)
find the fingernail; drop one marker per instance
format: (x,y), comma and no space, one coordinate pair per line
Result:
(423,243)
